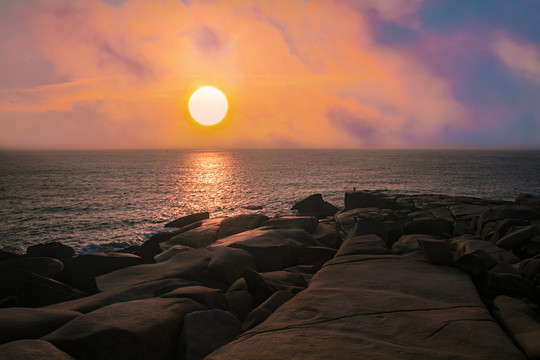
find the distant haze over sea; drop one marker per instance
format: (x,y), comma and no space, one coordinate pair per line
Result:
(114,198)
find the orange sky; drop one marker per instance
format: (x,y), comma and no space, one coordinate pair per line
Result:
(91,74)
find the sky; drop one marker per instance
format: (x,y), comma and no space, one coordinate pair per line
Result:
(115,74)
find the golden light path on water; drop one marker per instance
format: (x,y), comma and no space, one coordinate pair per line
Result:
(122,197)
(209,180)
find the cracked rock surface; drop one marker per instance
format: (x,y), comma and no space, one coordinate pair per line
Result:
(378,307)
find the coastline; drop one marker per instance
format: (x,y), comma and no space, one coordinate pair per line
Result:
(407,275)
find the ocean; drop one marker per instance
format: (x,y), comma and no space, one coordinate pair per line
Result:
(94,200)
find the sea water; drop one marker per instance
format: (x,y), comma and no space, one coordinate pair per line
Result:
(111,199)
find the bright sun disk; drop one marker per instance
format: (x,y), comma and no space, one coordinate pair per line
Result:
(208,105)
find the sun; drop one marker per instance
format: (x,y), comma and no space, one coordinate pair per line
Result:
(208,105)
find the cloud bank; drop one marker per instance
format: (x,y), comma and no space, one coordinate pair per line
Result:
(332,74)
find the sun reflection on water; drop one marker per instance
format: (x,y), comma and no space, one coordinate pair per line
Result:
(208,180)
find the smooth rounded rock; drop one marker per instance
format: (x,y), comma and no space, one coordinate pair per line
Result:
(240,223)
(32,350)
(273,249)
(28,323)
(206,330)
(517,238)
(212,298)
(228,264)
(54,250)
(314,205)
(140,329)
(86,267)
(188,219)
(307,223)
(44,266)
(522,322)
(170,252)
(199,237)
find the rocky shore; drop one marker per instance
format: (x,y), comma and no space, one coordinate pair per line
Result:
(388,277)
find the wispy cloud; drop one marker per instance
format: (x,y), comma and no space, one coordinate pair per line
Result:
(328,73)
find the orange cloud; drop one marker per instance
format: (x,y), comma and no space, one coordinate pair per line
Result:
(297,73)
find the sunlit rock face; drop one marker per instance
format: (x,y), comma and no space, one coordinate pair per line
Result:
(382,305)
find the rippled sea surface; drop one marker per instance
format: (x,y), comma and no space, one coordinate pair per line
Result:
(116,198)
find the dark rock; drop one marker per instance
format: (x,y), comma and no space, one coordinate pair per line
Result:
(33,290)
(360,199)
(151,247)
(189,265)
(421,215)
(517,238)
(188,220)
(437,226)
(306,223)
(522,322)
(140,329)
(197,237)
(240,223)
(170,252)
(444,213)
(409,246)
(54,250)
(504,225)
(273,249)
(31,350)
(530,249)
(530,268)
(263,311)
(241,302)
(29,323)
(307,271)
(229,264)
(488,231)
(528,200)
(328,235)
(366,227)
(467,212)
(10,252)
(216,267)
(309,255)
(205,331)
(362,244)
(505,268)
(86,267)
(314,205)
(281,280)
(462,228)
(506,283)
(475,263)
(263,285)
(506,212)
(172,285)
(437,252)
(258,286)
(468,244)
(123,294)
(44,266)
(212,298)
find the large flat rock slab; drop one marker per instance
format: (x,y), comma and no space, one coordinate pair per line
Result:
(378,307)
